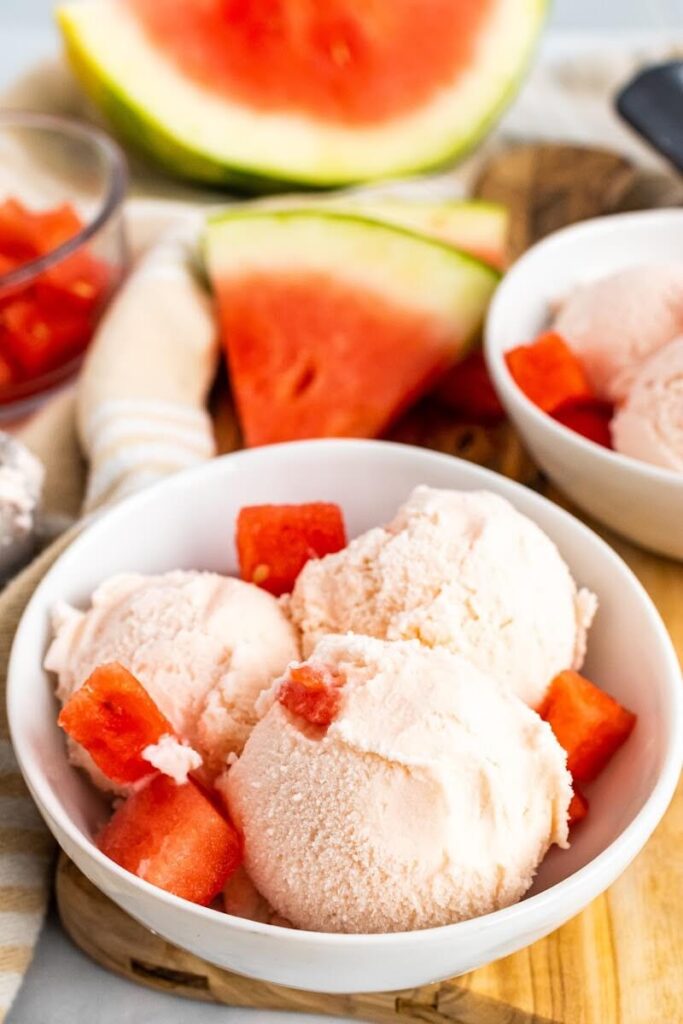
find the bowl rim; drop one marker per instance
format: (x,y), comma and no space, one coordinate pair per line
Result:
(115,192)
(514,283)
(529,911)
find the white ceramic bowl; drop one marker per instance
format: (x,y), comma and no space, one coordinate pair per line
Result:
(187,522)
(640,501)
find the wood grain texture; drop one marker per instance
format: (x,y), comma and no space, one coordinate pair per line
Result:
(621,960)
(117,942)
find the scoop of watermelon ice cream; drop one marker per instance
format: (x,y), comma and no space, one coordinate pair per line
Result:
(204,646)
(649,426)
(431,798)
(455,569)
(615,322)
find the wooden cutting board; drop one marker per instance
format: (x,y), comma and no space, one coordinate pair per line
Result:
(621,960)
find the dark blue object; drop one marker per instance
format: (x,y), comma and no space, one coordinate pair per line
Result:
(652,103)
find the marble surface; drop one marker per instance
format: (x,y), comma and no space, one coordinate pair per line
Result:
(62,985)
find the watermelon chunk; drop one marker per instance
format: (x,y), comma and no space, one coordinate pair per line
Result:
(175,838)
(114,718)
(313,692)
(467,389)
(578,807)
(590,417)
(274,542)
(47,323)
(588,723)
(334,324)
(257,93)
(26,234)
(37,343)
(548,372)
(7,372)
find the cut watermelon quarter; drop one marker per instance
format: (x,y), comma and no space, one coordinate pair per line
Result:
(257,93)
(274,542)
(175,838)
(114,718)
(334,324)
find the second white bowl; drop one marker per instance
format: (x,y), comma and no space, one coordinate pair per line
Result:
(638,500)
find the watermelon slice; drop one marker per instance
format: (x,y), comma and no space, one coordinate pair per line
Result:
(261,92)
(334,324)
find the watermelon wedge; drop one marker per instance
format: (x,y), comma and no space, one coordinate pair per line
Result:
(334,324)
(258,93)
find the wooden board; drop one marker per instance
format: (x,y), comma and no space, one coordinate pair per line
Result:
(621,960)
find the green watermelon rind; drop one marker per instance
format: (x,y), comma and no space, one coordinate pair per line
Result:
(149,137)
(320,213)
(420,213)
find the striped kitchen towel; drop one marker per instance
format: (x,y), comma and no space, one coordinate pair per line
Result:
(143,389)
(26,847)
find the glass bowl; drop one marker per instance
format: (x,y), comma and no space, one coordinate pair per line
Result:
(51,300)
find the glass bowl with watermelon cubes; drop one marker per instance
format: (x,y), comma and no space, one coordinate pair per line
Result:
(197,520)
(542,386)
(62,249)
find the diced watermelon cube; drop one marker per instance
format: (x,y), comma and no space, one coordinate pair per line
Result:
(76,285)
(173,837)
(53,228)
(18,239)
(115,719)
(314,692)
(7,265)
(7,373)
(578,807)
(467,390)
(38,344)
(588,723)
(274,542)
(589,417)
(26,234)
(548,372)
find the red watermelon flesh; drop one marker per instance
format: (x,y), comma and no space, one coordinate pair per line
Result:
(340,61)
(314,356)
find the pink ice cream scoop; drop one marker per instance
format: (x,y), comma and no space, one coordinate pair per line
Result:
(455,569)
(649,426)
(203,645)
(432,797)
(617,321)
